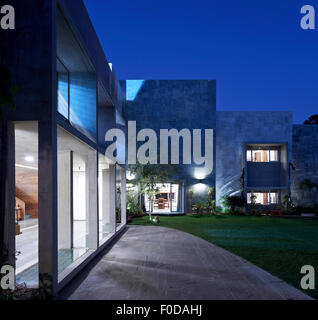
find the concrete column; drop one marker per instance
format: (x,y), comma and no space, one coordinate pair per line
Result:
(123,197)
(48,231)
(91,200)
(9,221)
(64,200)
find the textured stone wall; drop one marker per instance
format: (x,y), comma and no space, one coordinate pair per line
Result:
(236,128)
(305,160)
(178,104)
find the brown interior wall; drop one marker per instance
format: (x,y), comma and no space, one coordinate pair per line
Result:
(27,189)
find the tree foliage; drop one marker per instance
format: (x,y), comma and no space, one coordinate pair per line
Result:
(312,119)
(147,177)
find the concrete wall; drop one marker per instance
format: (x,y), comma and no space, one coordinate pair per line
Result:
(167,104)
(31,58)
(305,160)
(236,128)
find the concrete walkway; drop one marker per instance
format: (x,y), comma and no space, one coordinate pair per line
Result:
(155,263)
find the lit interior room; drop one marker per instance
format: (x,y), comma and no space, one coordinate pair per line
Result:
(26,195)
(77,199)
(166,199)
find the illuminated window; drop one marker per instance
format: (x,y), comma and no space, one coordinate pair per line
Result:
(273,155)
(262,155)
(263,198)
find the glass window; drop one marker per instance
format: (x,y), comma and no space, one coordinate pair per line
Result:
(260,155)
(83,103)
(263,198)
(106,221)
(274,155)
(248,155)
(175,197)
(273,197)
(77,199)
(62,90)
(26,202)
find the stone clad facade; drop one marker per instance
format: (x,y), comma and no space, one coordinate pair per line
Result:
(305,161)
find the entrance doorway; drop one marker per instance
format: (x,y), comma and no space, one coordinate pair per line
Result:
(167,199)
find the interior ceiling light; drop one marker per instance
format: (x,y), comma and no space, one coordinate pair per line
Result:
(29,159)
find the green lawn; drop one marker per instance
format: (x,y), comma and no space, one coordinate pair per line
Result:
(280,246)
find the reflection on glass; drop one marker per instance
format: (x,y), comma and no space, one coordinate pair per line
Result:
(83,103)
(62,89)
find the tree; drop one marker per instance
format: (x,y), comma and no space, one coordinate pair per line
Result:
(148,176)
(210,204)
(312,119)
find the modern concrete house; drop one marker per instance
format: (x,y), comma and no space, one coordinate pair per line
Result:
(66,196)
(61,189)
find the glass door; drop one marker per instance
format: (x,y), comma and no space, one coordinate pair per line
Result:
(175,198)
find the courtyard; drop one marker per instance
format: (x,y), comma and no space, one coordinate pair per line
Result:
(280,246)
(156,262)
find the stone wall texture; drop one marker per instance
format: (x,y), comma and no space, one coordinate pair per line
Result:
(233,129)
(176,104)
(305,160)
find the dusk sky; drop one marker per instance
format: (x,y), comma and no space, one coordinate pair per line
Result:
(255,50)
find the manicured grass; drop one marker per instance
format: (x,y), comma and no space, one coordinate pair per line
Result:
(280,246)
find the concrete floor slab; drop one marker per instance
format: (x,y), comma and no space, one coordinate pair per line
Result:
(155,263)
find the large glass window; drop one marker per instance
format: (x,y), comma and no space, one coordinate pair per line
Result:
(106,193)
(77,199)
(27,202)
(76,80)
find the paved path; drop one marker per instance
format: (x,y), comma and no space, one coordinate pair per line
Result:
(165,264)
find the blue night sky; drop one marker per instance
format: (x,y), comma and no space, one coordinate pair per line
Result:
(256,50)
